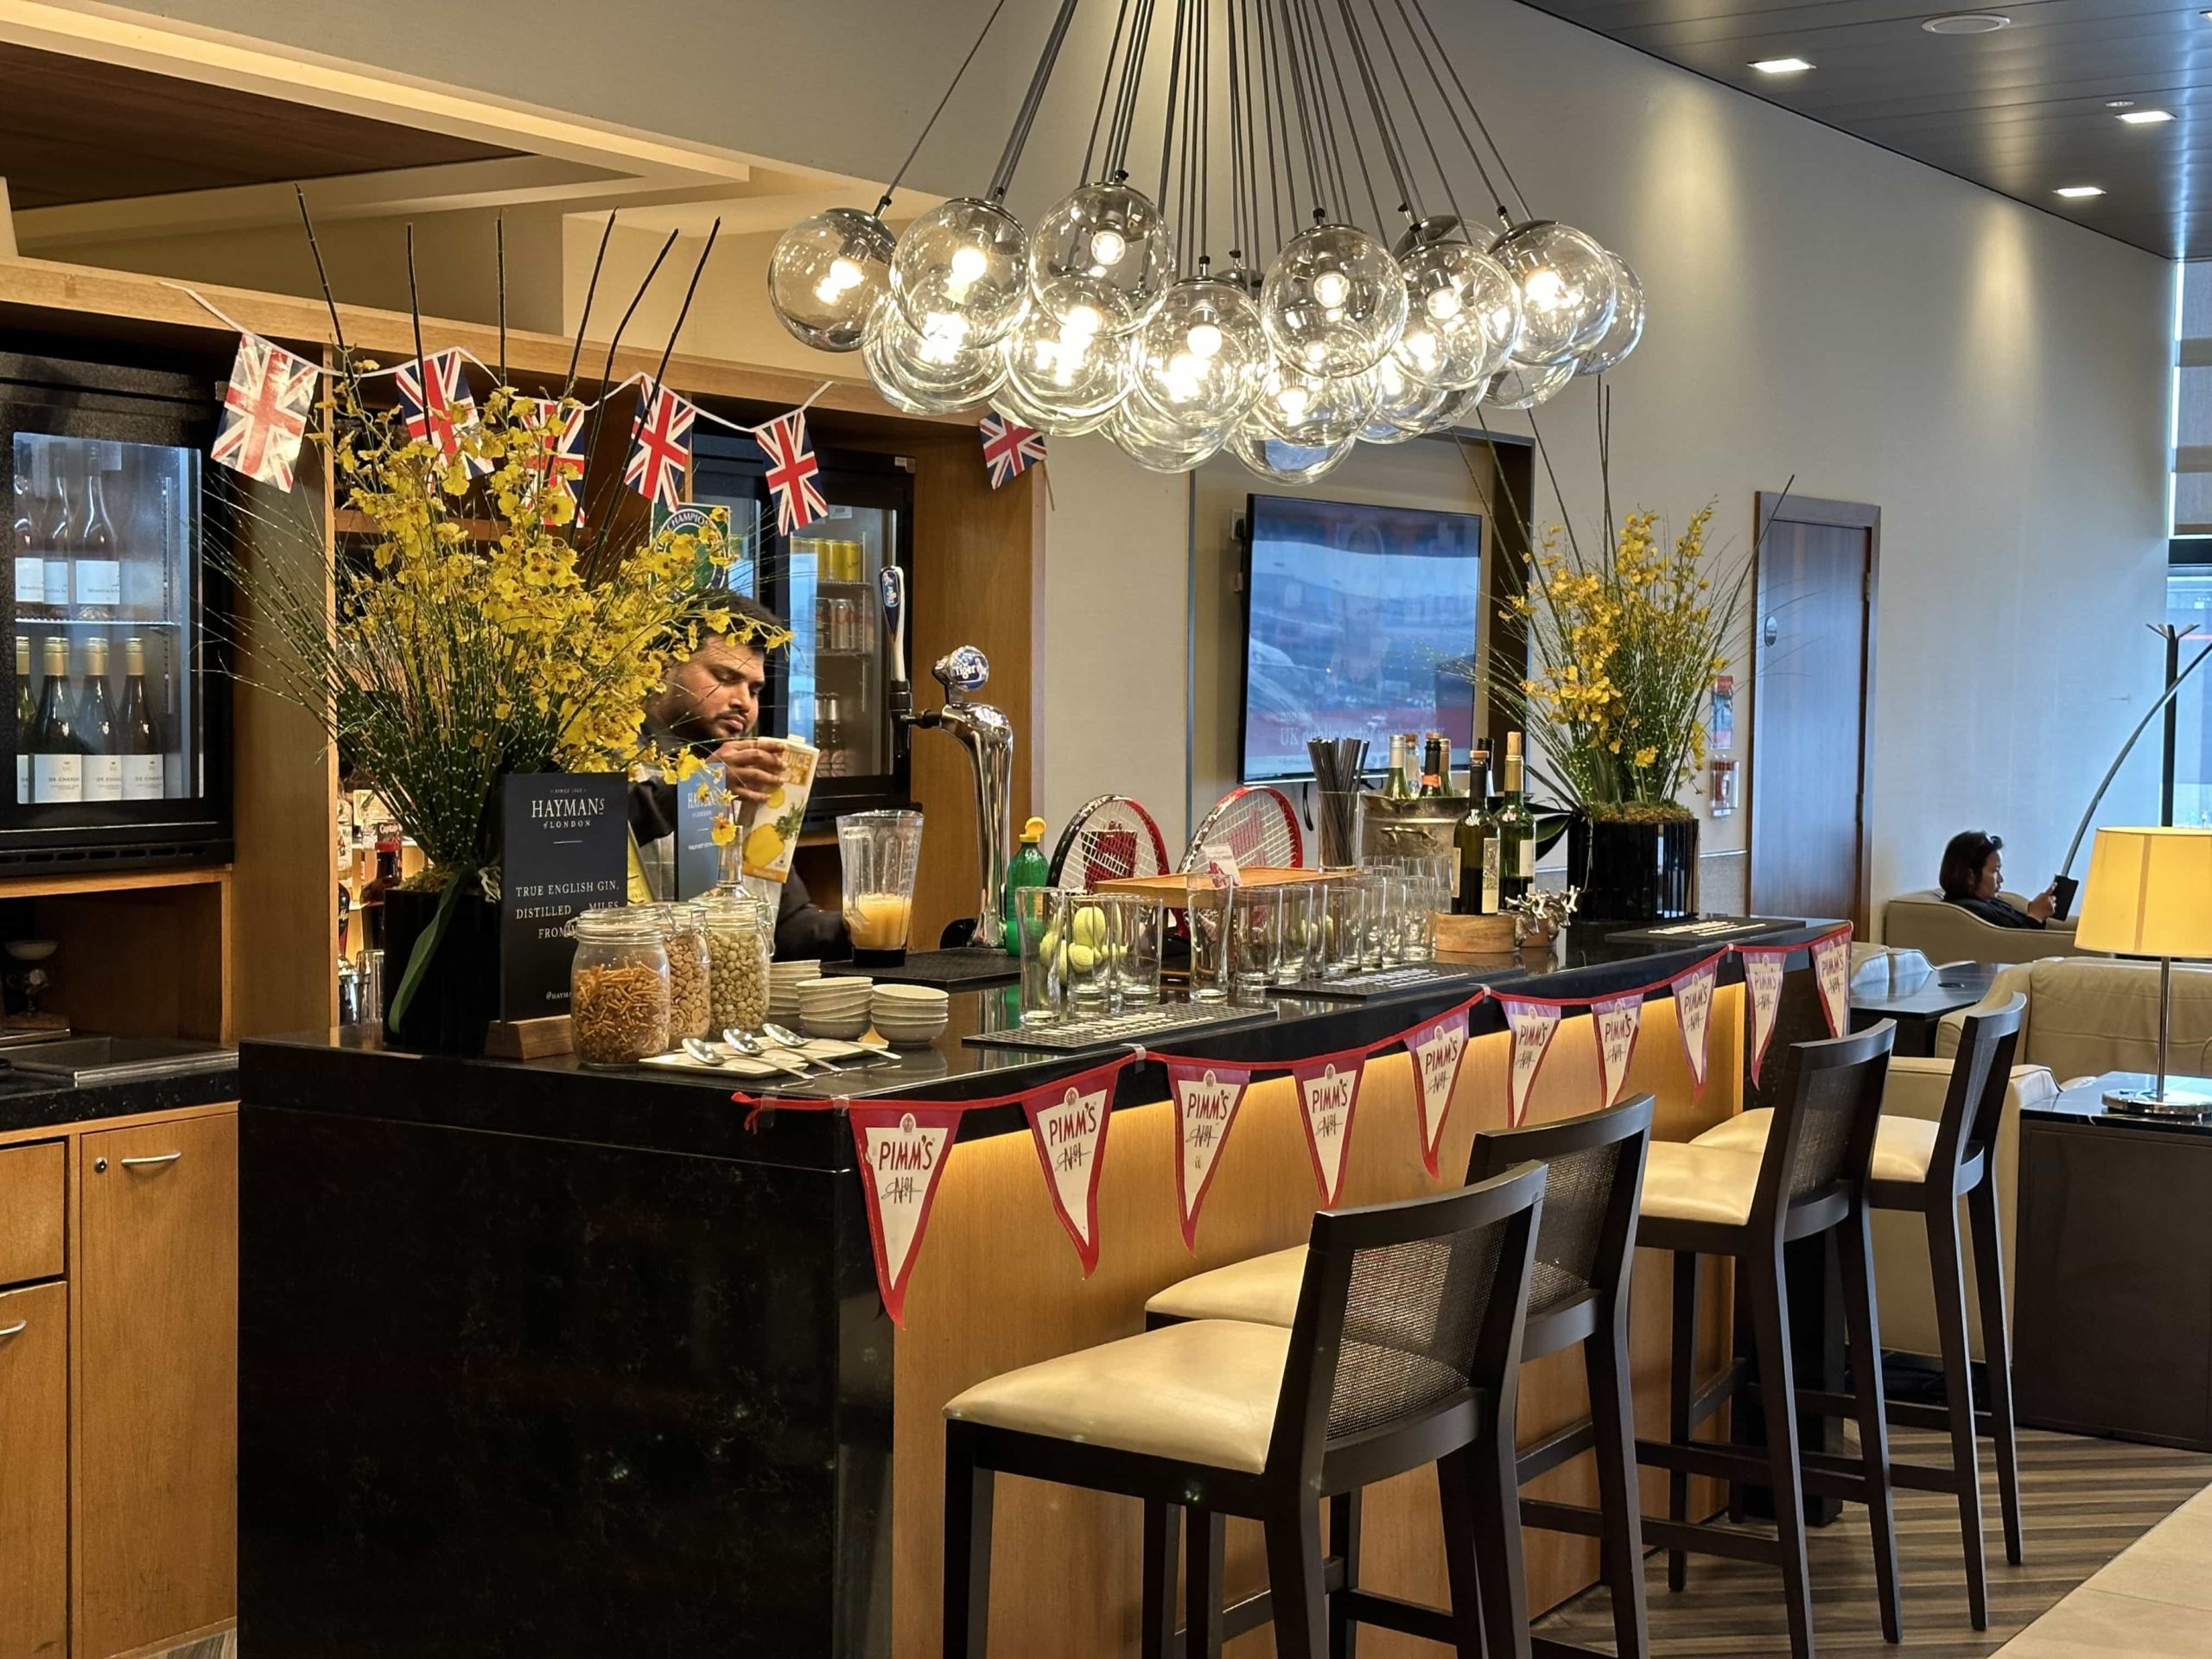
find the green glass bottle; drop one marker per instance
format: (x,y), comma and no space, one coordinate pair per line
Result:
(1399,786)
(1516,829)
(1477,841)
(1027,869)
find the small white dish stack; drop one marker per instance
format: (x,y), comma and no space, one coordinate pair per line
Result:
(784,980)
(834,1007)
(911,1016)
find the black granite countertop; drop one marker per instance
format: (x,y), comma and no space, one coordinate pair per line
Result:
(29,1103)
(2083,1103)
(677,1111)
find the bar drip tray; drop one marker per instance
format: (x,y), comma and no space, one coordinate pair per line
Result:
(85,1061)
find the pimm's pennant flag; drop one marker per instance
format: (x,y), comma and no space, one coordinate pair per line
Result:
(265,408)
(1009,447)
(1532,1024)
(660,444)
(1068,1122)
(903,1152)
(1692,989)
(1831,972)
(1436,1050)
(1328,1094)
(1762,966)
(792,471)
(433,400)
(1207,1099)
(1617,1021)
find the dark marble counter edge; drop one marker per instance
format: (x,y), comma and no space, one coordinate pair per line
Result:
(2084,1107)
(693,1114)
(65,1105)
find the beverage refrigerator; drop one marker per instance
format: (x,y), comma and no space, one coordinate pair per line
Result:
(828,688)
(119,728)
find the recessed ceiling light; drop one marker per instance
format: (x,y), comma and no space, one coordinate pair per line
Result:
(1970,23)
(2120,103)
(2074,191)
(2145,118)
(1781,66)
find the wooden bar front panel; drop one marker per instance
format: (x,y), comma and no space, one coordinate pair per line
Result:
(34,1473)
(998,1286)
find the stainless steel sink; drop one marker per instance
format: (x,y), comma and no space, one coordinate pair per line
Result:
(83,1061)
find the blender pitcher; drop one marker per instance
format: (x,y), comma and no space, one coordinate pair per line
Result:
(880,852)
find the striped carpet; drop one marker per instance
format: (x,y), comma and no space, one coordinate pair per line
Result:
(2083,1501)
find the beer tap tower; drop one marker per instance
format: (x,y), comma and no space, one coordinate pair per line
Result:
(981,729)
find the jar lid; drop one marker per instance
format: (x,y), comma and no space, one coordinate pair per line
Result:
(677,915)
(732,905)
(617,924)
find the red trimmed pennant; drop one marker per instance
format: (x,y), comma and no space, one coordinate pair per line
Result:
(1692,989)
(1831,972)
(1436,1050)
(1068,1122)
(1328,1095)
(1617,1021)
(903,1148)
(1533,1025)
(1206,1098)
(1763,967)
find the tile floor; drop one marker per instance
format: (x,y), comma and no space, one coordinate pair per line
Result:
(2153,1601)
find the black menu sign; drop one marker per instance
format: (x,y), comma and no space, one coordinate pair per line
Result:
(565,849)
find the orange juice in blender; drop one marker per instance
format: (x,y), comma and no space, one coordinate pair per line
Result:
(880,852)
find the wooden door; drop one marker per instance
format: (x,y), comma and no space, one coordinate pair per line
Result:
(1813,662)
(158,1402)
(34,1473)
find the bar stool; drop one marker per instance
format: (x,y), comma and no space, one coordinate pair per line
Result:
(1927,1167)
(1704,1200)
(1405,1350)
(1579,1295)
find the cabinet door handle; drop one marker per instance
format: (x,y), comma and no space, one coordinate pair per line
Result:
(15,1330)
(159,1158)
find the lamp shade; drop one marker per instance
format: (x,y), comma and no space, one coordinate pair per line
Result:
(2149,893)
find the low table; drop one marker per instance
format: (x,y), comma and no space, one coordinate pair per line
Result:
(1918,1001)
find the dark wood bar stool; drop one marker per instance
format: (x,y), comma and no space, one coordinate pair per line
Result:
(1405,1350)
(1810,1178)
(1578,1296)
(1926,1168)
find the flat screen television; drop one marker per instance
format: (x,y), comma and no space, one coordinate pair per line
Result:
(1351,615)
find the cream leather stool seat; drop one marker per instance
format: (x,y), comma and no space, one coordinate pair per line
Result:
(1903,1147)
(1263,1289)
(1203,1392)
(1687,1180)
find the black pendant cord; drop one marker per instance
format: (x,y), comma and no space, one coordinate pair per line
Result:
(1123,126)
(1240,224)
(1385,128)
(1323,43)
(1026,117)
(1284,30)
(1202,132)
(1175,89)
(898,178)
(1407,11)
(1436,49)
(1105,88)
(1278,173)
(1324,112)
(1412,107)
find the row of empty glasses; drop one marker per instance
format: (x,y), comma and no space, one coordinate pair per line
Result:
(1086,954)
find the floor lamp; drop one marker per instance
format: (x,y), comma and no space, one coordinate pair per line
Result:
(2149,893)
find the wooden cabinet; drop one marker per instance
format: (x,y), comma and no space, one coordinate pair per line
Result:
(157,1282)
(35,1472)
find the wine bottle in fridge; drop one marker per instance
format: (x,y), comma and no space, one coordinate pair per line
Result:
(57,756)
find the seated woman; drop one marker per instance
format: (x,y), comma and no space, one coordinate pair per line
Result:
(1973,875)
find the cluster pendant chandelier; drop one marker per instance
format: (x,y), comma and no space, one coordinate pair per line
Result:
(1282,119)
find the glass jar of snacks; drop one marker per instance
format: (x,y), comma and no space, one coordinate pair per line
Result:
(618,986)
(688,970)
(738,938)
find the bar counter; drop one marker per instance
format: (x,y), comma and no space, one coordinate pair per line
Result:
(537,1360)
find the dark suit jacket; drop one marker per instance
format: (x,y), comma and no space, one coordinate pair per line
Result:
(1995,911)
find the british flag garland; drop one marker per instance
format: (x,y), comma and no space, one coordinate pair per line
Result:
(265,408)
(434,404)
(792,473)
(660,445)
(1009,447)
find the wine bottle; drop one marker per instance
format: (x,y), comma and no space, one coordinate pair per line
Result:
(138,740)
(98,577)
(1397,787)
(1516,830)
(54,568)
(1476,839)
(23,539)
(103,767)
(26,719)
(57,758)
(1433,758)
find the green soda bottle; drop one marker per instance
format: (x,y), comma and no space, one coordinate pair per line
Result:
(1027,869)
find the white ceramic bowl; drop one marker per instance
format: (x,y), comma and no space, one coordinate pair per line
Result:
(845,1029)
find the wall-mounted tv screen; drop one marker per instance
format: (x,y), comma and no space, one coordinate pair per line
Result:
(1352,614)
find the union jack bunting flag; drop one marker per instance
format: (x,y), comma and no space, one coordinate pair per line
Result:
(564,462)
(265,408)
(660,445)
(435,401)
(792,470)
(1009,447)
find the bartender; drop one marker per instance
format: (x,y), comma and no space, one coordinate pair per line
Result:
(710,702)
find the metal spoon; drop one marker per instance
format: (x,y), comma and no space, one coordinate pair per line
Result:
(791,1039)
(794,1065)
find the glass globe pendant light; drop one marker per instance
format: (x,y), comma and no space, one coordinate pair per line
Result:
(1311,410)
(1159,444)
(966,261)
(1403,406)
(1104,247)
(1065,365)
(1627,327)
(1525,386)
(1462,313)
(1459,409)
(826,273)
(1283,462)
(937,373)
(1200,359)
(1333,303)
(1568,292)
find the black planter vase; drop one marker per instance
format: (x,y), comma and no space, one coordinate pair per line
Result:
(460,990)
(1631,871)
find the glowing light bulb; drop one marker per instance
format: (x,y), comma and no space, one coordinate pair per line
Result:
(1543,289)
(1443,303)
(1332,288)
(1203,339)
(1292,401)
(1081,320)
(1108,247)
(967,265)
